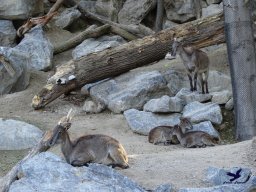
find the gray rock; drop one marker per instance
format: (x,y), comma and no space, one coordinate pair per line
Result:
(221,97)
(88,5)
(20,9)
(93,107)
(130,90)
(134,12)
(164,104)
(109,8)
(85,90)
(164,188)
(230,104)
(180,11)
(213,1)
(169,24)
(219,176)
(169,56)
(16,135)
(93,45)
(142,122)
(48,172)
(7,33)
(188,97)
(199,112)
(67,17)
(39,48)
(217,81)
(207,127)
(212,9)
(20,62)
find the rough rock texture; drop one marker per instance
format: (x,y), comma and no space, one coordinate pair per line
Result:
(134,12)
(93,45)
(221,97)
(20,9)
(85,90)
(39,48)
(88,5)
(230,104)
(164,188)
(207,127)
(212,9)
(130,90)
(235,175)
(16,135)
(217,81)
(109,8)
(142,122)
(48,172)
(213,1)
(180,11)
(93,107)
(67,17)
(188,96)
(20,62)
(164,104)
(199,112)
(7,33)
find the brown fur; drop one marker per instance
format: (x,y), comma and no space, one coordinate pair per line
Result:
(194,138)
(163,134)
(91,149)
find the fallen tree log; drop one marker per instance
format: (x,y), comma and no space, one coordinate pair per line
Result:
(90,32)
(111,62)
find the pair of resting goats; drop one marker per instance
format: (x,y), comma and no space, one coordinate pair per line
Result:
(178,134)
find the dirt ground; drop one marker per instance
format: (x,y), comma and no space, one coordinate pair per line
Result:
(150,165)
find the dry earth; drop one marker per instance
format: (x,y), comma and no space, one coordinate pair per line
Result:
(150,165)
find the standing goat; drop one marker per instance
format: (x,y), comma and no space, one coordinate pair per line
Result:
(89,148)
(163,134)
(195,61)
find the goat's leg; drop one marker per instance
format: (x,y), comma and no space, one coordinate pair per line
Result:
(119,159)
(191,83)
(195,81)
(202,82)
(206,80)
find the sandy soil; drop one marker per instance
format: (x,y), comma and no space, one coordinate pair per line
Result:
(150,165)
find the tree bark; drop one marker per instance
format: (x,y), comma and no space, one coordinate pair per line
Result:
(159,15)
(241,54)
(11,176)
(88,33)
(115,61)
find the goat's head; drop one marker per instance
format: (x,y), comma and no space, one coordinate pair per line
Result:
(185,123)
(175,46)
(63,125)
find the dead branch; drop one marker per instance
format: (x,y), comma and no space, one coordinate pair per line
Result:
(138,30)
(91,32)
(7,65)
(114,61)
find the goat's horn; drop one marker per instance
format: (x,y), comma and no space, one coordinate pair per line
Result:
(70,114)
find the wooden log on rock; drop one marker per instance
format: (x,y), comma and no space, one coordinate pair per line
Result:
(115,61)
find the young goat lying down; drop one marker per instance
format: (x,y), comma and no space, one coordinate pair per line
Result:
(163,134)
(89,148)
(194,138)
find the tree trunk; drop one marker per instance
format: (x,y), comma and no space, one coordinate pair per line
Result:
(115,61)
(241,54)
(159,15)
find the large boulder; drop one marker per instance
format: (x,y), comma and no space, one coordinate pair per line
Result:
(142,122)
(7,33)
(180,11)
(93,45)
(134,12)
(67,17)
(48,172)
(207,127)
(16,135)
(221,97)
(20,9)
(165,104)
(199,112)
(109,8)
(130,90)
(39,48)
(212,9)
(20,62)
